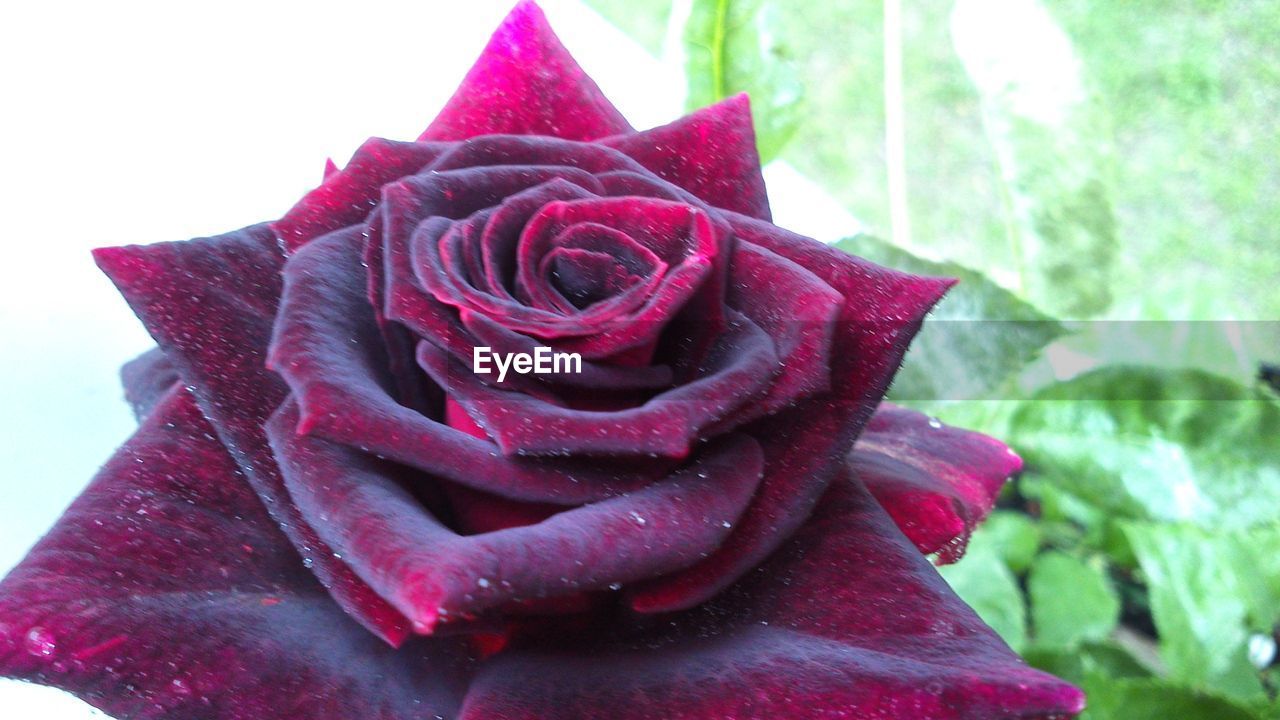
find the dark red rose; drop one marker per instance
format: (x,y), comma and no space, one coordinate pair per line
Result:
(327,513)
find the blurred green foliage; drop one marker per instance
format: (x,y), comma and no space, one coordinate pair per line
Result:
(729,49)
(1075,159)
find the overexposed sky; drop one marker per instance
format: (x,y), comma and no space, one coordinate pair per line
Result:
(137,122)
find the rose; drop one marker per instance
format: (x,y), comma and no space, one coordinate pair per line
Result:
(681,529)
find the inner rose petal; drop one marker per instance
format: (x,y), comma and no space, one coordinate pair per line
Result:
(583,278)
(740,369)
(672,231)
(590,263)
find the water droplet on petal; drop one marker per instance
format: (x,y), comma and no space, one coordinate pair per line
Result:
(40,642)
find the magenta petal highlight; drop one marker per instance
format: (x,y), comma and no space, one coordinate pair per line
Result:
(710,152)
(936,482)
(526,83)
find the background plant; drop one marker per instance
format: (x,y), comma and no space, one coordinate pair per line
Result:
(1100,175)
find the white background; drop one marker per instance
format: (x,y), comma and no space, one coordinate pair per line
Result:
(129,122)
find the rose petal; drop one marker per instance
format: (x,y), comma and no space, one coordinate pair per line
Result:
(710,152)
(146,379)
(166,591)
(667,425)
(937,482)
(432,575)
(209,303)
(346,196)
(492,150)
(526,83)
(847,620)
(600,377)
(327,349)
(804,447)
(798,310)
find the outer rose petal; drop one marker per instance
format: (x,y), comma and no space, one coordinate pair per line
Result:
(166,591)
(209,303)
(847,620)
(526,83)
(936,482)
(435,576)
(347,196)
(710,152)
(146,379)
(805,446)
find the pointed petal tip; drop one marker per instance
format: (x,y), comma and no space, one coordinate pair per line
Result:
(119,263)
(526,82)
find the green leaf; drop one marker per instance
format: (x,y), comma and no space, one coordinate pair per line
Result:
(1255,558)
(1071,601)
(644,20)
(1011,536)
(1125,698)
(1197,601)
(974,340)
(986,585)
(1049,137)
(1156,444)
(729,49)
(1107,658)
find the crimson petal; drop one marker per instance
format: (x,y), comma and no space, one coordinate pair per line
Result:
(936,482)
(325,346)
(847,620)
(805,446)
(166,591)
(433,575)
(346,196)
(710,152)
(209,303)
(667,425)
(526,83)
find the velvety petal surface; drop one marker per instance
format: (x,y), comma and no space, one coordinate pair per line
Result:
(881,311)
(326,347)
(847,620)
(937,482)
(434,575)
(347,196)
(526,83)
(166,591)
(710,152)
(209,303)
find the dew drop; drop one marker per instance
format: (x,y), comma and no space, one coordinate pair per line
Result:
(935,423)
(40,642)
(483,582)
